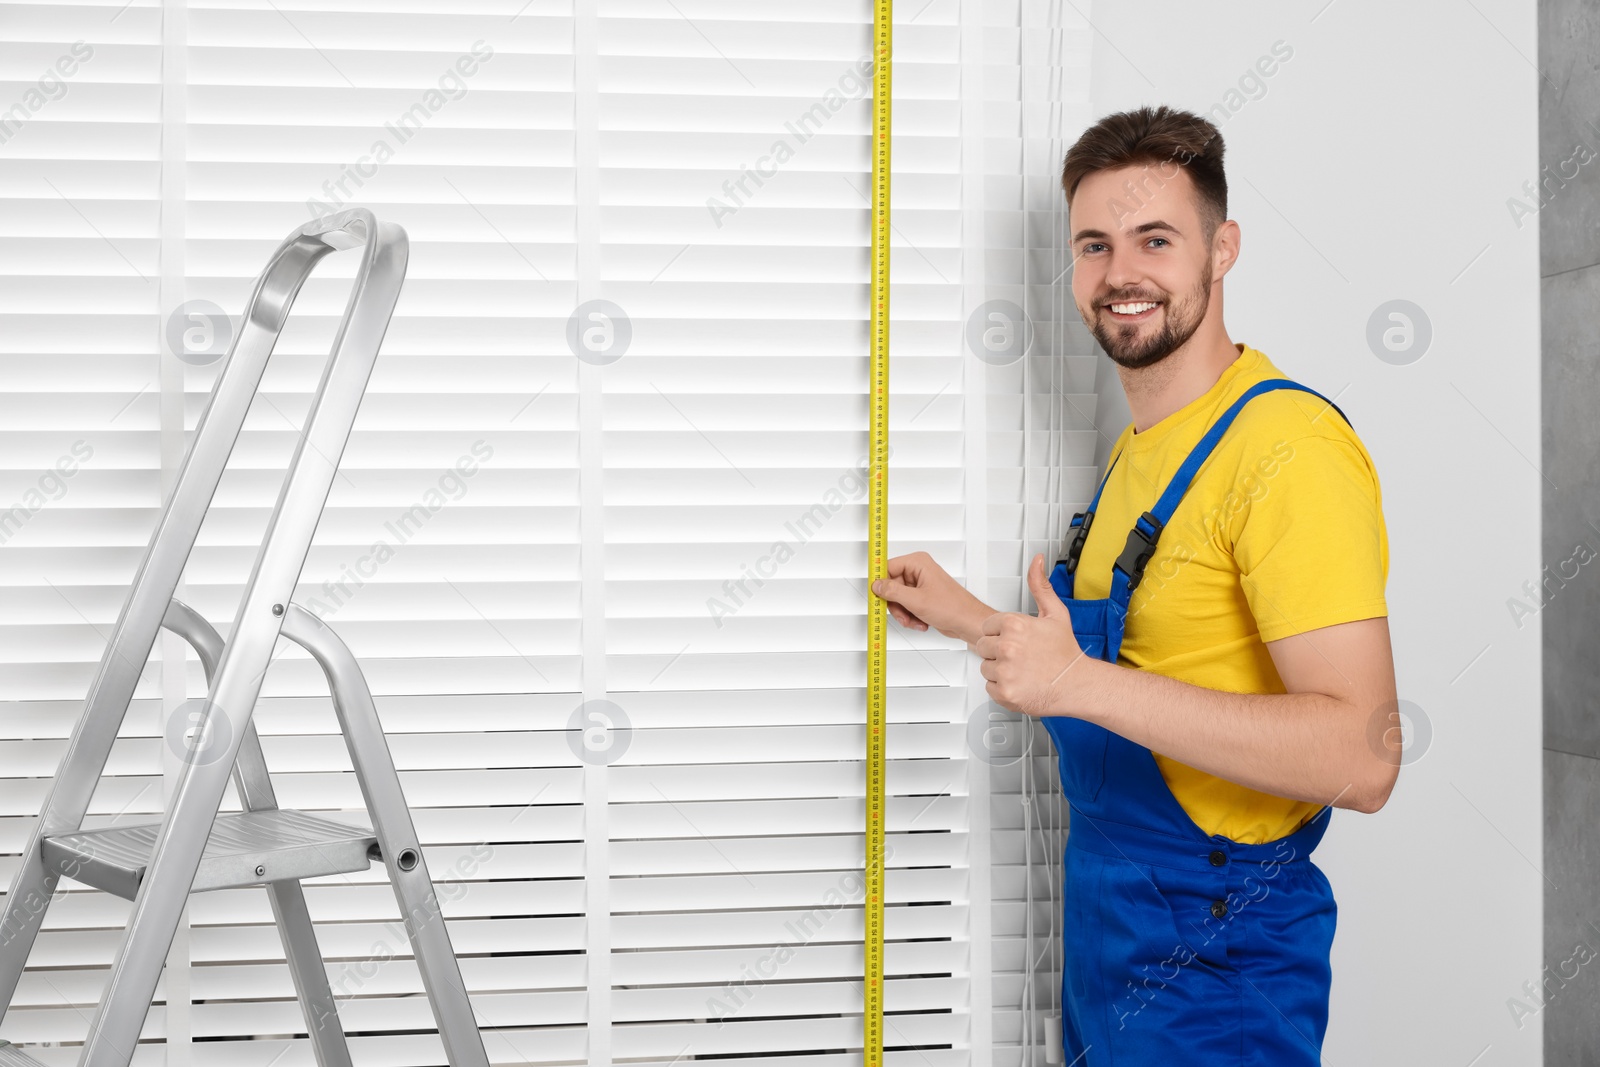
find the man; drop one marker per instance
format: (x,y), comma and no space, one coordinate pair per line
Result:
(1222,676)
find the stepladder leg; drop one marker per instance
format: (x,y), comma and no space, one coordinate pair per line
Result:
(293,917)
(310,977)
(397,837)
(436,959)
(164,889)
(157,908)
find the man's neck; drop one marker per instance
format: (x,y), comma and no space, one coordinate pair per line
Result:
(1156,391)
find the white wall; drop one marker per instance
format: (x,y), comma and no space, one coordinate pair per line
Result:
(1376,165)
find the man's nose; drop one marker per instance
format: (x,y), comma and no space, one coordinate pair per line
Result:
(1123,273)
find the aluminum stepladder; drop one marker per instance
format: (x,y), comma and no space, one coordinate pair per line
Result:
(193,848)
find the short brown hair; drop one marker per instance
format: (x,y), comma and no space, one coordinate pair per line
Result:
(1155,136)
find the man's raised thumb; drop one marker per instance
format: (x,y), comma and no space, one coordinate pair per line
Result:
(1044,594)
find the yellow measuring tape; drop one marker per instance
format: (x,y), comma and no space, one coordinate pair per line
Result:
(878,536)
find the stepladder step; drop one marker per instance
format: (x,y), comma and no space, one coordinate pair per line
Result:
(245,848)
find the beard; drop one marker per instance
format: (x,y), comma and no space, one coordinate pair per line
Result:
(1133,347)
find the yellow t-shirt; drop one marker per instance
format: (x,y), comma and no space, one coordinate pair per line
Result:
(1281,532)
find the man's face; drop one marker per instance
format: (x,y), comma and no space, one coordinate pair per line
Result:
(1137,245)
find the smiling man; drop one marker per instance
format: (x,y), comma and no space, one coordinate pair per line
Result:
(1211,655)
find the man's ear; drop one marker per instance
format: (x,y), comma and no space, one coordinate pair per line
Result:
(1225,247)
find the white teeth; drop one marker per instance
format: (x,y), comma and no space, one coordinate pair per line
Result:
(1131,309)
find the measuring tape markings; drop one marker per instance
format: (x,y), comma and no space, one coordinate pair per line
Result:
(877,621)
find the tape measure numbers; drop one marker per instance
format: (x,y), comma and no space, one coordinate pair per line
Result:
(878,538)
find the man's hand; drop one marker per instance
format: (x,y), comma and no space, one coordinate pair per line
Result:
(1026,658)
(922,594)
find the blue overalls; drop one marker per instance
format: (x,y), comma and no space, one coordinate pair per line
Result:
(1179,948)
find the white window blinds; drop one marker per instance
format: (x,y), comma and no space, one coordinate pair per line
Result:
(599,534)
(80,436)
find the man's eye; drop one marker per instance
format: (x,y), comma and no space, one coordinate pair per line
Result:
(1162,239)
(1092,246)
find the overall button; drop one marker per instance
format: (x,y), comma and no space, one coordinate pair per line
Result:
(1219,908)
(1218,858)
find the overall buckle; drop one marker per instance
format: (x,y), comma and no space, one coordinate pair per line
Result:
(1140,547)
(1080,535)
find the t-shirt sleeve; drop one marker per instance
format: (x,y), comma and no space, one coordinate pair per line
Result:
(1312,549)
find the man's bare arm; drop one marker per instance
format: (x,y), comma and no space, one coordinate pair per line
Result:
(920,594)
(1331,739)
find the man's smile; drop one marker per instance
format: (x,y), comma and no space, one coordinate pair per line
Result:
(1132,310)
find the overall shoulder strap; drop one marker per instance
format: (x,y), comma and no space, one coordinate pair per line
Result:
(1207,444)
(1146,531)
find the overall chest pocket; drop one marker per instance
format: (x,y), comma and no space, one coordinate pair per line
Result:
(1081,751)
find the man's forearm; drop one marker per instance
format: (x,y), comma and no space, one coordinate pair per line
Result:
(972,626)
(1305,746)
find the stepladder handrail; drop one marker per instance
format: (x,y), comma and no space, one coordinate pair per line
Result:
(381,271)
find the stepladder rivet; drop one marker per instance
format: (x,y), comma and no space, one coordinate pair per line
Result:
(277,609)
(260,870)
